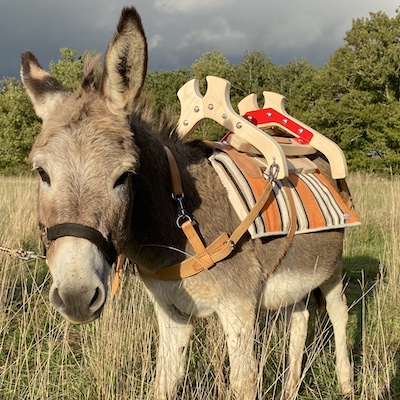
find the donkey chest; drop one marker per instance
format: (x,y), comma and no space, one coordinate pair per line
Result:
(199,301)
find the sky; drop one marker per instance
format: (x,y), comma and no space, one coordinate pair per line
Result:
(180,31)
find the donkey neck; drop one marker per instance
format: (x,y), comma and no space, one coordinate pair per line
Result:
(156,240)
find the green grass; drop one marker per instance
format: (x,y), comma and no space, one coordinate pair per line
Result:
(43,357)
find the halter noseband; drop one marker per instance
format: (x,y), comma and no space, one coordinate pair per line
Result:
(80,231)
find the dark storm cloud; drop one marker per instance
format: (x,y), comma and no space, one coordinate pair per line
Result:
(180,31)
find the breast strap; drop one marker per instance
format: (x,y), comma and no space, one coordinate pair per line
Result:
(219,249)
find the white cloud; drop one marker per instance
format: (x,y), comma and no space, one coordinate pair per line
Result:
(189,6)
(154,41)
(219,34)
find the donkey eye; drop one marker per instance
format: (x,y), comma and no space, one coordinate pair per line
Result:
(44,176)
(122,179)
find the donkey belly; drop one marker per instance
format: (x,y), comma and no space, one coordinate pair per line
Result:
(287,288)
(311,260)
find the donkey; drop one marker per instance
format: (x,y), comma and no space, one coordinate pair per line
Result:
(105,189)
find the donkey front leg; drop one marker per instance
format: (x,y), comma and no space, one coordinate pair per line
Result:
(297,322)
(338,314)
(238,323)
(175,331)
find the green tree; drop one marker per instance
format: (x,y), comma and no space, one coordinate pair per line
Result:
(164,86)
(211,63)
(69,69)
(255,74)
(298,82)
(18,122)
(358,94)
(18,126)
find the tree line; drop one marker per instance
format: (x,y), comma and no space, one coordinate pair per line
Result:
(354,98)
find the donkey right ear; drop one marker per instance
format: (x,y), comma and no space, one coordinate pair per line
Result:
(125,63)
(44,90)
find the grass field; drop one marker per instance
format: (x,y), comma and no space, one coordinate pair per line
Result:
(43,357)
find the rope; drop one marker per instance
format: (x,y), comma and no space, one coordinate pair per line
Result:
(22,254)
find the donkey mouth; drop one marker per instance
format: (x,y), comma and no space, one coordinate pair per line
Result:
(78,306)
(80,278)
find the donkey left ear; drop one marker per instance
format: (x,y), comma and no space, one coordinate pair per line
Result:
(125,63)
(43,89)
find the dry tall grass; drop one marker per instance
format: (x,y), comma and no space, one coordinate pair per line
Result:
(43,357)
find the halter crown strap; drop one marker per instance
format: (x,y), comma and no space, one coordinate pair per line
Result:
(84,232)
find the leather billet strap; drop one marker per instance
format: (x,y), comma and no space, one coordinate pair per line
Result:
(80,231)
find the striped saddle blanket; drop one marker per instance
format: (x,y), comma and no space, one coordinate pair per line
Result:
(318,205)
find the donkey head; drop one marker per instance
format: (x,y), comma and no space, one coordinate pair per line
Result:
(85,155)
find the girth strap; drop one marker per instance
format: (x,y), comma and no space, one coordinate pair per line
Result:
(84,232)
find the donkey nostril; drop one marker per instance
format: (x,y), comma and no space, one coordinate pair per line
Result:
(95,297)
(98,299)
(56,298)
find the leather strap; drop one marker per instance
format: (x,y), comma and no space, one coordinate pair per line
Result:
(292,212)
(84,232)
(119,271)
(175,174)
(222,247)
(219,249)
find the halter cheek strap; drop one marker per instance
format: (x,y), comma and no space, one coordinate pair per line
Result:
(80,231)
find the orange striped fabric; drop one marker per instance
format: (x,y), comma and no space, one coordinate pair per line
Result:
(318,205)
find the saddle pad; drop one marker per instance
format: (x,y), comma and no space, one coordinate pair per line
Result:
(318,205)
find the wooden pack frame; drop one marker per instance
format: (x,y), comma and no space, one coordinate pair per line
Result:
(247,136)
(311,139)
(216,105)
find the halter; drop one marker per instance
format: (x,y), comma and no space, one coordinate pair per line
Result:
(79,231)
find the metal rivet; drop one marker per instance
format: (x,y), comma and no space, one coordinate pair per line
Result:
(210,106)
(269,114)
(224,116)
(249,118)
(197,109)
(186,122)
(300,130)
(239,125)
(284,121)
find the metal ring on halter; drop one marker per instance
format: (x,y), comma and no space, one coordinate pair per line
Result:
(181,219)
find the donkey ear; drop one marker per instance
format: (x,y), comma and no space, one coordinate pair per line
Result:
(125,63)
(44,90)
